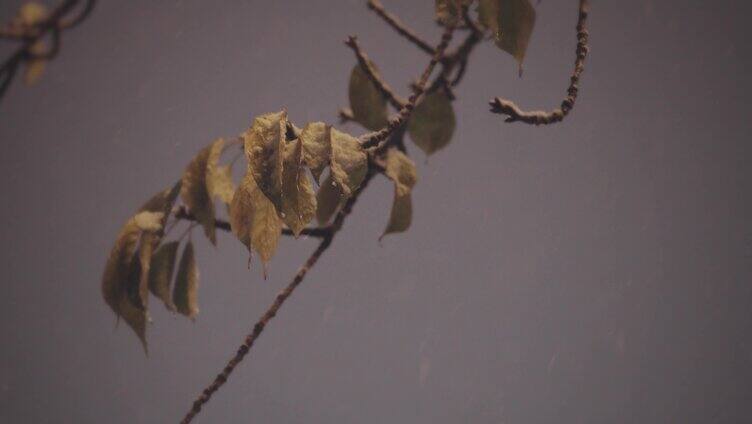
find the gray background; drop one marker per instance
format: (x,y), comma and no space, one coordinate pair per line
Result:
(595,271)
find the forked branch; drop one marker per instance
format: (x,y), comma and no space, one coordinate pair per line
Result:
(400,27)
(367,66)
(258,328)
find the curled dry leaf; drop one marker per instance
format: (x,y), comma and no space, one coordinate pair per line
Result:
(401,170)
(121,277)
(366,101)
(161,272)
(349,162)
(298,197)
(150,223)
(432,124)
(153,216)
(264,147)
(185,292)
(219,177)
(317,147)
(329,199)
(241,211)
(195,193)
(254,219)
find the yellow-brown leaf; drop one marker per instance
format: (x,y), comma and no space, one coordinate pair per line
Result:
(162,267)
(120,280)
(195,194)
(366,101)
(329,199)
(298,197)
(401,170)
(317,147)
(432,124)
(254,219)
(349,162)
(185,292)
(264,147)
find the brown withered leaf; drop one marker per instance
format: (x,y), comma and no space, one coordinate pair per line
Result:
(349,162)
(195,193)
(120,280)
(329,199)
(317,147)
(219,177)
(151,225)
(241,211)
(220,183)
(488,15)
(432,123)
(162,267)
(264,147)
(366,101)
(515,22)
(160,203)
(401,170)
(254,219)
(298,197)
(185,292)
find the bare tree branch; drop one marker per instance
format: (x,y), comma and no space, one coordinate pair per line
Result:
(400,27)
(271,312)
(539,117)
(367,66)
(377,139)
(326,241)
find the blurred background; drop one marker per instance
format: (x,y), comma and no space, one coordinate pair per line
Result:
(593,271)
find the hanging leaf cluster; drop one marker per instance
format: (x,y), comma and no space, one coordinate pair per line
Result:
(276,192)
(293,176)
(277,189)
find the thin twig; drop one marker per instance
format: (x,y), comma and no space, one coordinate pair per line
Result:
(376,138)
(82,15)
(367,66)
(539,117)
(400,27)
(326,241)
(258,328)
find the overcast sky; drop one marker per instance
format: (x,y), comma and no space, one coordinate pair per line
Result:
(595,271)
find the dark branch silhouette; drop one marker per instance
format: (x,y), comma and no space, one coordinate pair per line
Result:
(28,36)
